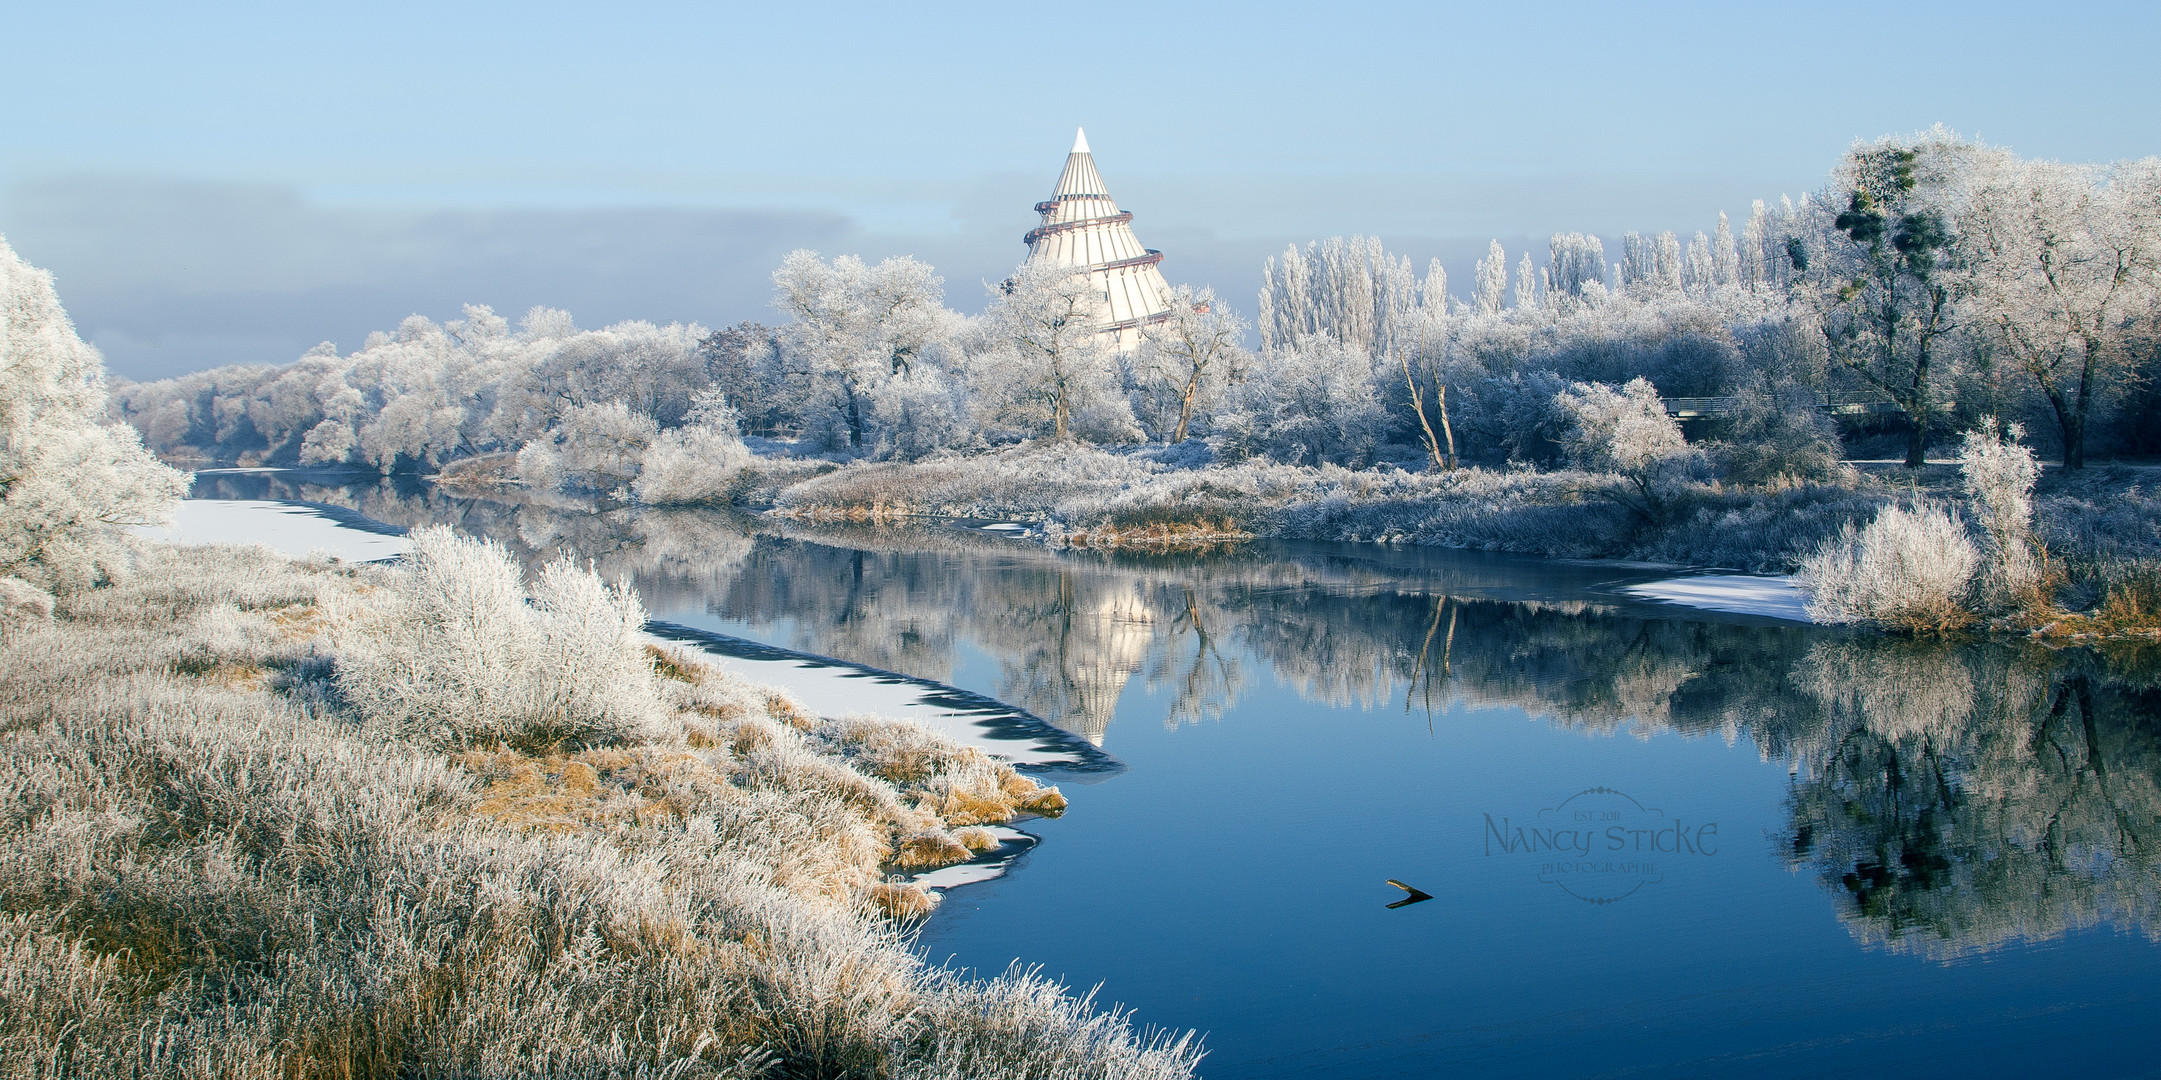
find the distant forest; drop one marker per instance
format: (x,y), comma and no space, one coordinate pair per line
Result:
(1934,281)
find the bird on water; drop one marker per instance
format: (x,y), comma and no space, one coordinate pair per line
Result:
(1417,895)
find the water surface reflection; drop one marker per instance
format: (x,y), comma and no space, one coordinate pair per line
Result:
(1935,801)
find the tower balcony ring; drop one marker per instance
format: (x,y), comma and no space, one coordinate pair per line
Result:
(1041,231)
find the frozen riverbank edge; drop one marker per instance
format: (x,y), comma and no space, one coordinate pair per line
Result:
(823,684)
(826,686)
(838,688)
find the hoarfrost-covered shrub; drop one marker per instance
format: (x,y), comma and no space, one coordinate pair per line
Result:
(1627,432)
(460,658)
(1908,570)
(691,466)
(22,605)
(594,448)
(69,482)
(1776,436)
(1999,473)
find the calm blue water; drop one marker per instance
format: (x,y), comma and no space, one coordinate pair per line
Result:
(1803,852)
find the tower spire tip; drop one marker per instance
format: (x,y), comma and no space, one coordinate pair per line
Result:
(1080,140)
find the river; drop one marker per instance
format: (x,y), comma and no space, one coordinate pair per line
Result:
(1656,841)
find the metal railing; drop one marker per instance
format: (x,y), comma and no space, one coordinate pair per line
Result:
(1041,231)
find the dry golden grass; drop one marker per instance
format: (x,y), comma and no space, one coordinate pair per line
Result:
(485,472)
(783,708)
(223,674)
(960,785)
(2129,616)
(669,665)
(1161,536)
(302,622)
(931,849)
(1931,620)
(900,900)
(593,789)
(879,512)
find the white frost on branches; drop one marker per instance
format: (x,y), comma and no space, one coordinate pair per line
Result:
(70,481)
(1908,570)
(1999,474)
(463,656)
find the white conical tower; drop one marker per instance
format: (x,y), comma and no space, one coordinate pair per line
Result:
(1083,228)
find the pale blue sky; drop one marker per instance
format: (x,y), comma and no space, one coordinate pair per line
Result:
(240,181)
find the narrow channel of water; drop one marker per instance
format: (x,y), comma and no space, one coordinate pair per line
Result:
(1656,842)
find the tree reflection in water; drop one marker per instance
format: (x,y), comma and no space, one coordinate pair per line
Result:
(1960,798)
(1951,798)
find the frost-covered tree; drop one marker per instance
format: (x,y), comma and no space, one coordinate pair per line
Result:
(920,412)
(1638,261)
(1490,280)
(70,481)
(1309,402)
(742,362)
(2062,263)
(1526,285)
(595,448)
(1429,371)
(1577,263)
(1697,273)
(1627,432)
(1888,281)
(423,395)
(1651,264)
(1725,257)
(1750,267)
(855,328)
(1433,291)
(1047,369)
(1666,265)
(1352,290)
(1187,360)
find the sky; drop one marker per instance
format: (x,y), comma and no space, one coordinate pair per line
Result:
(229,183)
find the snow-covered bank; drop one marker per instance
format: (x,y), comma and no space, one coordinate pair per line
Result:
(837,688)
(1741,594)
(297,529)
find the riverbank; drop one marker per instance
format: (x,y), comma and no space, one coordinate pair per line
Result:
(229,852)
(1154,498)
(2100,526)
